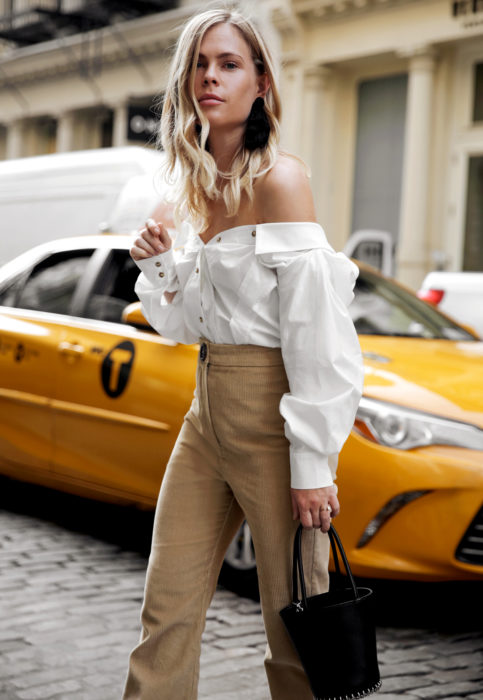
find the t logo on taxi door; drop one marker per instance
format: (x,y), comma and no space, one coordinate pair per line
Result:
(116,368)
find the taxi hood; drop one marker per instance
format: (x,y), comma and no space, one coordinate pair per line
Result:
(443,377)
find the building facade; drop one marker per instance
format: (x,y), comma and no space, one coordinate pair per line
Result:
(382,98)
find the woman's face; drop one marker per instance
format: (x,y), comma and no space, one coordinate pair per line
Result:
(226,72)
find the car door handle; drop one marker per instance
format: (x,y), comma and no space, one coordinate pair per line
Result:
(70,349)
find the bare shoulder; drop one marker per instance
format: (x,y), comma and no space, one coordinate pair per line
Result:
(284,193)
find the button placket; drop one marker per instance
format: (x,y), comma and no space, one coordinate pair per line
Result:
(200,291)
(206,291)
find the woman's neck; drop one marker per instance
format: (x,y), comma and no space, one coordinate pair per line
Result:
(223,146)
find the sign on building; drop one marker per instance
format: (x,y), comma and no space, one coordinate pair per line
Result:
(141,124)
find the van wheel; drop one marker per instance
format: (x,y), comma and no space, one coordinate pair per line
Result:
(239,570)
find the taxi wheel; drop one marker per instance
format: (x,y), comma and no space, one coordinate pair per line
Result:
(239,570)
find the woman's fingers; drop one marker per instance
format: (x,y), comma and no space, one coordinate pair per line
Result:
(325,516)
(142,249)
(306,519)
(315,507)
(159,232)
(335,505)
(138,253)
(152,240)
(146,246)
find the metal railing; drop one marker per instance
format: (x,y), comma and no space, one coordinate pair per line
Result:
(25,22)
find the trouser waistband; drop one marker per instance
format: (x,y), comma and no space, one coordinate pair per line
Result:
(239,355)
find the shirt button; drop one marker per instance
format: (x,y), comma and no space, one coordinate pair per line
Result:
(201,319)
(218,239)
(254,233)
(197,270)
(158,264)
(161,274)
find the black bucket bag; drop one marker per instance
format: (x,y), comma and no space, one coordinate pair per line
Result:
(334,633)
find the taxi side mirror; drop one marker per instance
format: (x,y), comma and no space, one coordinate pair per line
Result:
(133,316)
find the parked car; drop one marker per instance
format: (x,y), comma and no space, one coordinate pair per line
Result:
(92,400)
(459,294)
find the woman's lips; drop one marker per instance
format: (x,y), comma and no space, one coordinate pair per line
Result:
(210,101)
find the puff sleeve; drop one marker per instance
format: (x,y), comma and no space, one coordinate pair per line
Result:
(319,344)
(166,272)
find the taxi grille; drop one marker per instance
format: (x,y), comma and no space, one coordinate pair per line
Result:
(470,549)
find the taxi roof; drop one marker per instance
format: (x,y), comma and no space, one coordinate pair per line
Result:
(37,253)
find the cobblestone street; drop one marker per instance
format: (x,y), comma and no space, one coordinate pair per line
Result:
(71,584)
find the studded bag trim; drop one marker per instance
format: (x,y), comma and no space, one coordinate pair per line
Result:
(352,696)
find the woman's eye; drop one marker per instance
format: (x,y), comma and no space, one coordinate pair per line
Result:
(230,65)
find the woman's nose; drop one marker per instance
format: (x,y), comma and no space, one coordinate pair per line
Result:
(210,77)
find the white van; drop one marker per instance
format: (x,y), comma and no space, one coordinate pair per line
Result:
(77,193)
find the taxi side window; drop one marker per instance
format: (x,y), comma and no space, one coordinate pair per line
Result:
(382,308)
(114,288)
(9,294)
(52,283)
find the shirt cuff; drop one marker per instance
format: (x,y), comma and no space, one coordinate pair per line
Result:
(160,270)
(312,470)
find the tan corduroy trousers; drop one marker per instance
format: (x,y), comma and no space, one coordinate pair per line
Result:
(230,462)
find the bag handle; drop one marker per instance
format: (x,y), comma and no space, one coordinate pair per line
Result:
(297,566)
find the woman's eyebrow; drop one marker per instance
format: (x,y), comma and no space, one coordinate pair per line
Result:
(223,55)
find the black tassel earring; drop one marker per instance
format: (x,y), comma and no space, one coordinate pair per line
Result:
(258,127)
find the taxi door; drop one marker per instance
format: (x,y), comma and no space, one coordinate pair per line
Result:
(27,361)
(35,306)
(121,393)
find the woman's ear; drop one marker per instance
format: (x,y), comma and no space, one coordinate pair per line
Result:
(263,85)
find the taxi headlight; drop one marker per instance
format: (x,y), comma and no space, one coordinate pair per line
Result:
(404,428)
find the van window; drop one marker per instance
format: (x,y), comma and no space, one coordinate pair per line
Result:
(52,283)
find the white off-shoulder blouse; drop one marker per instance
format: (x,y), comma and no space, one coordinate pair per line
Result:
(275,285)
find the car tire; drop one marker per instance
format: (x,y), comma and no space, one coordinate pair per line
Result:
(239,570)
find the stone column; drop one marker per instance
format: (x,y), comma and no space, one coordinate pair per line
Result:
(119,132)
(412,247)
(318,136)
(65,132)
(292,97)
(14,141)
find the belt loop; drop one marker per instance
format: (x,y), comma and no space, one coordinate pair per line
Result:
(203,351)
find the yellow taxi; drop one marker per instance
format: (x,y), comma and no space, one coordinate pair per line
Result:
(92,399)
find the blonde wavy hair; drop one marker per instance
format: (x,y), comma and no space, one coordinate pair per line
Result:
(189,165)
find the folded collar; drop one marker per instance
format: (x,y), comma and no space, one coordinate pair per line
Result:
(286,236)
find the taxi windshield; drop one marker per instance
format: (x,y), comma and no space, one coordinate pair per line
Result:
(381,307)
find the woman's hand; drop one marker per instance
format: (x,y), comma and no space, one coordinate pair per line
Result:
(153,239)
(308,505)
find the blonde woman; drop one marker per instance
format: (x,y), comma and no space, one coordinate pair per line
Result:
(279,372)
